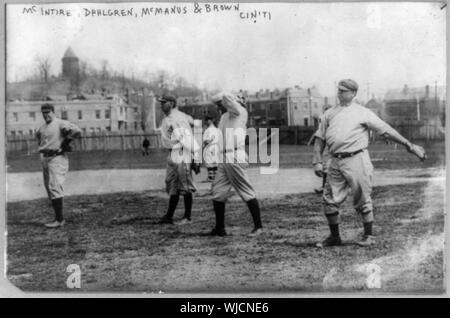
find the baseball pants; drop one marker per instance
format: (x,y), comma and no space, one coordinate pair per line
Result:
(232,175)
(54,171)
(179,178)
(353,174)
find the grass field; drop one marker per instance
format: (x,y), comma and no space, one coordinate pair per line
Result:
(383,156)
(118,246)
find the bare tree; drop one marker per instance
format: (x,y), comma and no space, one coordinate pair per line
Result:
(43,65)
(104,72)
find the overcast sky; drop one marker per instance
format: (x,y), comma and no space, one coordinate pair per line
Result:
(385,44)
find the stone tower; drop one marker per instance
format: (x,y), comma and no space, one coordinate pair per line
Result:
(70,67)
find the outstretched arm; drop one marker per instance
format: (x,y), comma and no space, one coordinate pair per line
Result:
(385,130)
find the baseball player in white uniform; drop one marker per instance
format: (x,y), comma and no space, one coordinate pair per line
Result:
(177,138)
(231,172)
(54,139)
(211,139)
(345,131)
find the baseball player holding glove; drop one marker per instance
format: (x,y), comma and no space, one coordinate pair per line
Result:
(344,130)
(231,171)
(54,139)
(183,157)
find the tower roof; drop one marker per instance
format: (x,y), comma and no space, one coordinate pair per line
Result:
(69,53)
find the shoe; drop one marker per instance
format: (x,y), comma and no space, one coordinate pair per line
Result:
(367,240)
(318,190)
(216,232)
(55,224)
(183,221)
(330,241)
(256,232)
(165,220)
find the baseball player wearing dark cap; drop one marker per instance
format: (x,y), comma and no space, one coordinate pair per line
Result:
(54,139)
(177,138)
(231,172)
(345,131)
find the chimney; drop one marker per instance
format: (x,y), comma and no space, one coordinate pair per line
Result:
(405,89)
(427,91)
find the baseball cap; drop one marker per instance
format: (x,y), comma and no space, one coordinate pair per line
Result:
(348,85)
(47,108)
(167,98)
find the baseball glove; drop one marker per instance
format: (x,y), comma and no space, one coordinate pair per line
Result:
(65,145)
(417,150)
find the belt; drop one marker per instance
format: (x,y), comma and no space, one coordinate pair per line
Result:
(49,155)
(341,155)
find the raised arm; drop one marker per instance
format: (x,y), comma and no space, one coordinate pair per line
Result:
(231,103)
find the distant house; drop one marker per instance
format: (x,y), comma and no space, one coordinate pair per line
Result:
(91,115)
(414,104)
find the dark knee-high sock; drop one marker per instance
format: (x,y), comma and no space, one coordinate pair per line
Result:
(58,207)
(173,202)
(187,205)
(253,206)
(367,228)
(324,179)
(334,229)
(219,210)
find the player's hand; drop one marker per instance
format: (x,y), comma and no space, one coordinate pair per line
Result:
(318,170)
(417,150)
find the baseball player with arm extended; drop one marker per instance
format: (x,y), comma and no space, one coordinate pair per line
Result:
(345,131)
(231,172)
(54,139)
(177,138)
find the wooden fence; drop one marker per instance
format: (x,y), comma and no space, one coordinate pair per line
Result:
(291,135)
(90,142)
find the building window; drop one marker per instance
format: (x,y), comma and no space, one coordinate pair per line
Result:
(305,121)
(20,132)
(121,110)
(32,116)
(31,132)
(135,125)
(315,105)
(80,114)
(107,113)
(13,133)
(92,130)
(108,128)
(16,116)
(99,129)
(64,114)
(97,114)
(305,105)
(84,130)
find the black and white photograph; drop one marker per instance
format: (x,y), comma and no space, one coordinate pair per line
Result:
(225,147)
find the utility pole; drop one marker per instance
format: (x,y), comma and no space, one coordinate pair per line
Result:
(368,91)
(335,93)
(435,94)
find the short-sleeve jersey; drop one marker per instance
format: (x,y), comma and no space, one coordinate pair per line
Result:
(346,128)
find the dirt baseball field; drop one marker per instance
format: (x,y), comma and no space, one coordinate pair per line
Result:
(115,241)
